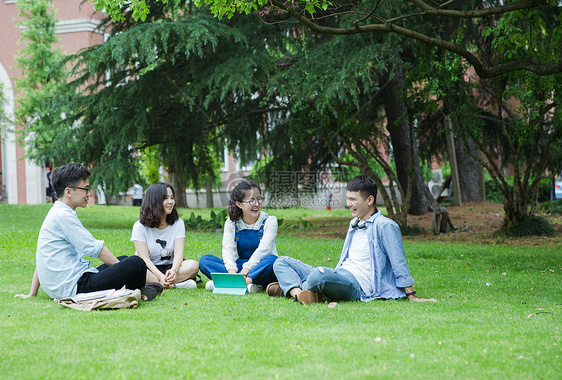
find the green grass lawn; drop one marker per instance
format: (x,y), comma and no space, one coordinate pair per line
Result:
(499,316)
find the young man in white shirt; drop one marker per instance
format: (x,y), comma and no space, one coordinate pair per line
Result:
(372,264)
(63,242)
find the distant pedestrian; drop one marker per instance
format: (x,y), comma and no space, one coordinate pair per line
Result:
(50,190)
(48,184)
(137,194)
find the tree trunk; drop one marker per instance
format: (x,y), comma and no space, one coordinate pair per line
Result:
(209,193)
(179,187)
(398,126)
(469,169)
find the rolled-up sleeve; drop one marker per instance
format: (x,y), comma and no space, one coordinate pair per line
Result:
(78,236)
(61,246)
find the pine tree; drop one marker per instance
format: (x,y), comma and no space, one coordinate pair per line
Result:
(39,62)
(173,82)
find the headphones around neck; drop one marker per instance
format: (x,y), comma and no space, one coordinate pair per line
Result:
(361,224)
(357,223)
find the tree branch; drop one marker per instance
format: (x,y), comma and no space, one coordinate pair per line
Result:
(476,13)
(388,27)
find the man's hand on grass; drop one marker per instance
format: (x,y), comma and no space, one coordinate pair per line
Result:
(24,296)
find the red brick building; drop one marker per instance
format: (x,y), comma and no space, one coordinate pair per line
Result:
(23,181)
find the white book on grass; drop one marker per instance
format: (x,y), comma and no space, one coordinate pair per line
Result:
(94,295)
(100,294)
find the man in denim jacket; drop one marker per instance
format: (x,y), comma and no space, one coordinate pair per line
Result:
(372,264)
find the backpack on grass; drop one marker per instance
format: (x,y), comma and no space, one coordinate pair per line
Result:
(104,299)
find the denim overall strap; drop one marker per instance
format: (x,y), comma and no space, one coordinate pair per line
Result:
(260,234)
(247,241)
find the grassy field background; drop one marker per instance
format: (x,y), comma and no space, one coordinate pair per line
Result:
(499,316)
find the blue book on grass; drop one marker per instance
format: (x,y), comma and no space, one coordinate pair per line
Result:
(229,283)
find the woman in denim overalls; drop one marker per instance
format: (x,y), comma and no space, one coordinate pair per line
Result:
(248,244)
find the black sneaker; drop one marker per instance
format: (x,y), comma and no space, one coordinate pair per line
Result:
(156,285)
(151,290)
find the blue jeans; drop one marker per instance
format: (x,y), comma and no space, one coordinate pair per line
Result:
(336,284)
(262,274)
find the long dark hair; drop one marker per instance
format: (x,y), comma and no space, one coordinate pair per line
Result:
(152,209)
(237,195)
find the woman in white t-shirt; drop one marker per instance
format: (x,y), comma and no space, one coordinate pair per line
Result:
(248,242)
(159,238)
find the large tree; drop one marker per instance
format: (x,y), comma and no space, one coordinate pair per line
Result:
(372,16)
(172,81)
(346,104)
(39,60)
(513,119)
(521,36)
(514,46)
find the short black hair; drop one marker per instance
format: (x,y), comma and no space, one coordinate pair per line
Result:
(68,175)
(152,209)
(237,195)
(364,185)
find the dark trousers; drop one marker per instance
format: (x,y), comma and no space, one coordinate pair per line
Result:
(129,271)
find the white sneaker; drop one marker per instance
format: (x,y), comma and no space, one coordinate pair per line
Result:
(253,288)
(210,286)
(188,284)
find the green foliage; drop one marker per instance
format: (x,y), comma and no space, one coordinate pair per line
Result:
(551,207)
(524,33)
(174,82)
(42,75)
(326,89)
(412,230)
(446,169)
(332,122)
(149,161)
(492,193)
(525,137)
(530,226)
(215,222)
(115,8)
(347,172)
(228,8)
(426,171)
(3,118)
(302,224)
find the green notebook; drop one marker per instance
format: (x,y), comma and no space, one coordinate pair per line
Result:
(229,283)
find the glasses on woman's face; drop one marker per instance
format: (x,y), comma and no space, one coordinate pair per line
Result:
(254,202)
(86,189)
